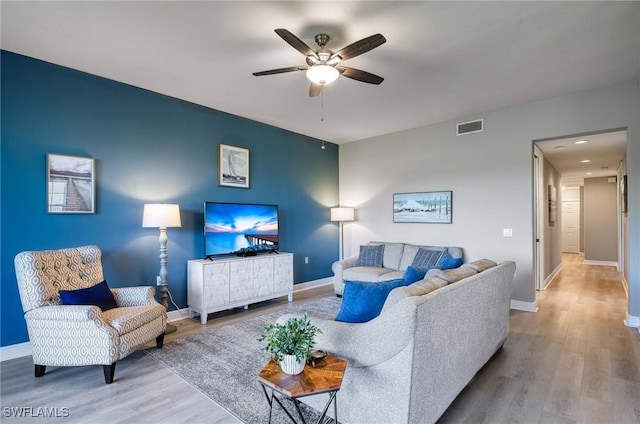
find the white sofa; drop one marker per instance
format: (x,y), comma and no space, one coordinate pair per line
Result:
(408,364)
(395,260)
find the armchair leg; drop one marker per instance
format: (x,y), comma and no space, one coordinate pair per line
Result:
(160,341)
(40,369)
(109,371)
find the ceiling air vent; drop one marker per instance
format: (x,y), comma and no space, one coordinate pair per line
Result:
(470,127)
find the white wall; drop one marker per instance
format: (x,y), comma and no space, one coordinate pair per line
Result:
(490,174)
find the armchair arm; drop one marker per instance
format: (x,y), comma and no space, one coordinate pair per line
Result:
(369,343)
(338,267)
(134,296)
(66,313)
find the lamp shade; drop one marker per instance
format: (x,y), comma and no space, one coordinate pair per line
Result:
(322,74)
(342,214)
(161,215)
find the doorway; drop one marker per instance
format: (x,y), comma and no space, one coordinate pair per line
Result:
(565,163)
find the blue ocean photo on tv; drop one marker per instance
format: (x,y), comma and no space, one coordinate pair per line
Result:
(240,229)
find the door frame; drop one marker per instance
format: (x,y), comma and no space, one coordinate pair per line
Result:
(538,218)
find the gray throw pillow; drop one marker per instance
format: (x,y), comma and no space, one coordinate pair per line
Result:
(371,256)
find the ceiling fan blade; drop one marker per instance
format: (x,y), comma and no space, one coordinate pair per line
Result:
(315,90)
(280,70)
(359,47)
(359,75)
(295,42)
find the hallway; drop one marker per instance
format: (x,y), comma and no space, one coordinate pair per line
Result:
(574,361)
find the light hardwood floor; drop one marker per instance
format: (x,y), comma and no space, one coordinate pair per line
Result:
(572,361)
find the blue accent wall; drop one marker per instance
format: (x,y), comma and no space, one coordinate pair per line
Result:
(149,148)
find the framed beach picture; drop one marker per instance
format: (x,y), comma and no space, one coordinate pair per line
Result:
(433,207)
(71,184)
(233,166)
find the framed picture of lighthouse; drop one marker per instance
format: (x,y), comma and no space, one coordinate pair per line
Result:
(233,166)
(434,207)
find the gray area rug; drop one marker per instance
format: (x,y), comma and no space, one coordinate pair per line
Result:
(224,363)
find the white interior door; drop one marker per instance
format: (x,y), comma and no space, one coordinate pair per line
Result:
(571,227)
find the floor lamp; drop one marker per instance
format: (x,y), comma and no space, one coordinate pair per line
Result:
(162,216)
(342,215)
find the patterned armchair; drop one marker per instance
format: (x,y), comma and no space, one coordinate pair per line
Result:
(72,335)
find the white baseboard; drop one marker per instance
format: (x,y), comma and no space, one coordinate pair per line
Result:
(520,305)
(17,350)
(178,314)
(547,281)
(312,284)
(601,263)
(632,321)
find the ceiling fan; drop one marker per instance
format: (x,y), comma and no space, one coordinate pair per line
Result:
(324,65)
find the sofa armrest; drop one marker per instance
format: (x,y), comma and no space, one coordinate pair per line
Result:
(365,344)
(134,296)
(338,267)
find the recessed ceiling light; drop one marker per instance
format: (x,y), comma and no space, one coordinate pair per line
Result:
(589,173)
(559,147)
(582,141)
(585,161)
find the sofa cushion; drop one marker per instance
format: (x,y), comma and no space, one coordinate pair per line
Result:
(363,301)
(452,275)
(392,254)
(447,261)
(426,258)
(99,295)
(481,264)
(410,251)
(371,255)
(422,287)
(366,273)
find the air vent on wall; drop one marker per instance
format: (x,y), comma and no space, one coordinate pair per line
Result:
(470,127)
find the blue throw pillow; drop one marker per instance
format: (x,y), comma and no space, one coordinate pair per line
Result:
(448,262)
(371,255)
(426,258)
(363,301)
(99,295)
(413,274)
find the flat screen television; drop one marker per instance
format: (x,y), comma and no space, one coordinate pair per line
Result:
(239,228)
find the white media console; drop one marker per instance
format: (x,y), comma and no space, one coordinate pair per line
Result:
(218,284)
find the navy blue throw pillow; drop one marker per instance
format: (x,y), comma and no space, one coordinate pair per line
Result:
(426,258)
(363,301)
(413,274)
(371,255)
(99,295)
(448,262)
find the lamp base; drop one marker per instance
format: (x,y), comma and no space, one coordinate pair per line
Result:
(170,328)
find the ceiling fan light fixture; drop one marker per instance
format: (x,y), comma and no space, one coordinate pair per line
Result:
(322,74)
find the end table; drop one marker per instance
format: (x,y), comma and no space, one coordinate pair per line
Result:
(326,377)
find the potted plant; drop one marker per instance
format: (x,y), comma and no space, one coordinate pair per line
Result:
(290,343)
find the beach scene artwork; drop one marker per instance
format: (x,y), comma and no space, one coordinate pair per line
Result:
(426,207)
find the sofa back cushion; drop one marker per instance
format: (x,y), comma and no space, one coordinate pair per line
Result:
(452,275)
(410,252)
(392,254)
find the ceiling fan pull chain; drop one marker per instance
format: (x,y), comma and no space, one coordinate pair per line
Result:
(322,115)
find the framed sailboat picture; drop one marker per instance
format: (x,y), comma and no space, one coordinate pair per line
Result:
(233,166)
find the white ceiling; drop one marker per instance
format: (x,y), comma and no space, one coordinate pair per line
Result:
(603,151)
(442,60)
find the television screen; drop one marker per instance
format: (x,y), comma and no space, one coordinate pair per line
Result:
(238,228)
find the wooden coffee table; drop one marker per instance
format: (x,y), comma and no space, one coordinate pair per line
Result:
(325,377)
